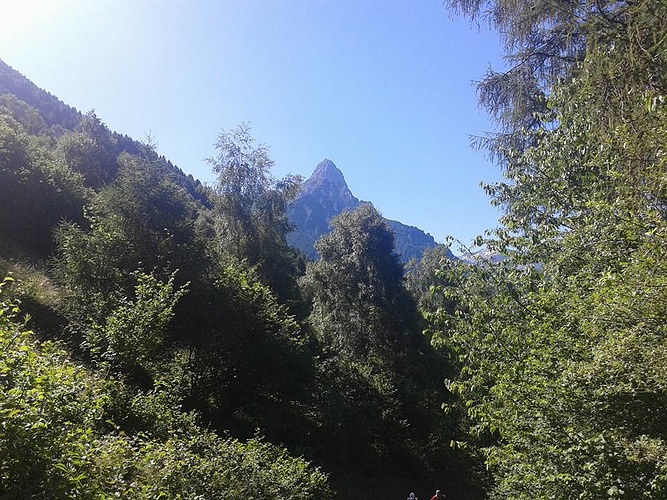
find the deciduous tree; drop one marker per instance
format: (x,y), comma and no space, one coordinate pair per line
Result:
(360,304)
(556,344)
(251,216)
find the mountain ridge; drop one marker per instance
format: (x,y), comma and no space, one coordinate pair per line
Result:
(324,195)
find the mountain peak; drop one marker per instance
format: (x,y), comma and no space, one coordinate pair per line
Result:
(329,178)
(326,164)
(325,195)
(327,170)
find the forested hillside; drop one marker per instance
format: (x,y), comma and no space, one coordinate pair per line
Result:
(162,340)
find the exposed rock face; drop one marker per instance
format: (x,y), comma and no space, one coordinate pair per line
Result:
(410,240)
(328,183)
(323,196)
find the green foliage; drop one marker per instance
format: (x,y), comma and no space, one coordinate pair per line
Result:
(251,210)
(423,277)
(91,151)
(57,439)
(246,343)
(379,384)
(29,172)
(28,117)
(126,271)
(360,306)
(142,221)
(560,347)
(134,336)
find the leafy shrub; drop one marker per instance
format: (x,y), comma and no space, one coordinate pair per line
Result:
(57,439)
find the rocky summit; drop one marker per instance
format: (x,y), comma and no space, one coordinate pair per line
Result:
(325,195)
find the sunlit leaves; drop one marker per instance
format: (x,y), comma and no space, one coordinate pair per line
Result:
(561,347)
(356,285)
(250,209)
(58,439)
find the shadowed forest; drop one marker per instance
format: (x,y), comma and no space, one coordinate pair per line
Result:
(160,339)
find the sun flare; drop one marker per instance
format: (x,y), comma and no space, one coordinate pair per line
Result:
(25,18)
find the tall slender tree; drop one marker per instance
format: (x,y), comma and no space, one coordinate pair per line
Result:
(251,210)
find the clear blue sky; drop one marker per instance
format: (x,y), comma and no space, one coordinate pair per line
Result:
(382,88)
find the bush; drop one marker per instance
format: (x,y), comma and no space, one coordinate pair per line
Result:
(58,440)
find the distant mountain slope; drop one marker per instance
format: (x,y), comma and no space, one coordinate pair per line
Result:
(410,240)
(52,109)
(326,194)
(57,114)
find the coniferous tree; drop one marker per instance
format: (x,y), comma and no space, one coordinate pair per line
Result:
(141,222)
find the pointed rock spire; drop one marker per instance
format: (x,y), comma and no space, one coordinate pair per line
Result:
(328,170)
(323,196)
(326,174)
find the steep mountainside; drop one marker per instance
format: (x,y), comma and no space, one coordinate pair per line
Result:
(52,109)
(326,194)
(60,117)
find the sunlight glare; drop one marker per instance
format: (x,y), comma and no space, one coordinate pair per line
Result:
(22,19)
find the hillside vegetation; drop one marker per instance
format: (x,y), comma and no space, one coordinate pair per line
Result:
(177,346)
(161,340)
